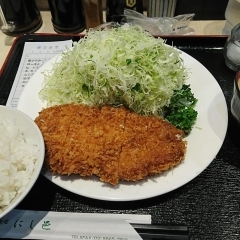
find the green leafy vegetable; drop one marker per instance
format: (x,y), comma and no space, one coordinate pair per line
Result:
(181,112)
(119,66)
(123,66)
(128,61)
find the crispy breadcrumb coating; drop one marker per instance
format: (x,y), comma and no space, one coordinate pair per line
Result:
(113,143)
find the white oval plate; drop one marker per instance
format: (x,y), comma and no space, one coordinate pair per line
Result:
(204,142)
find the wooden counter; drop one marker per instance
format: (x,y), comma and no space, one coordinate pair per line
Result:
(200,27)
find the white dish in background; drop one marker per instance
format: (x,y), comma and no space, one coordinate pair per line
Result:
(204,142)
(30,131)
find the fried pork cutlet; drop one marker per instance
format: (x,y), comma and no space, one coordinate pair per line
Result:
(112,143)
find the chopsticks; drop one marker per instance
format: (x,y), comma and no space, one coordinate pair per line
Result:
(162,232)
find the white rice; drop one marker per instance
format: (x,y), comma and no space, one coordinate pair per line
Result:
(17,161)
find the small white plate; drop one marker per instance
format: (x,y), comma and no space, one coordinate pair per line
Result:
(204,141)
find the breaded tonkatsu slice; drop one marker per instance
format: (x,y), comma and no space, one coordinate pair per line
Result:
(82,140)
(151,145)
(64,129)
(112,143)
(110,124)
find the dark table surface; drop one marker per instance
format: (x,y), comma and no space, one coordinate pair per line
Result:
(209,204)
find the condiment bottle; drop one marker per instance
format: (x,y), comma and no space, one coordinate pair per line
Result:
(232,15)
(115,8)
(232,49)
(235,101)
(19,16)
(67,16)
(93,13)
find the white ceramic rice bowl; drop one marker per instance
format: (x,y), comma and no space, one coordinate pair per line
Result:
(30,131)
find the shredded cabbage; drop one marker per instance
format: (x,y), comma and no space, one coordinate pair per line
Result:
(119,66)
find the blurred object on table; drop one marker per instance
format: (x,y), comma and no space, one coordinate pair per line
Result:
(161,8)
(235,102)
(93,13)
(232,49)
(19,16)
(160,26)
(115,8)
(67,16)
(203,10)
(232,15)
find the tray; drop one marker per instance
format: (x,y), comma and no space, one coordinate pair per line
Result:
(209,205)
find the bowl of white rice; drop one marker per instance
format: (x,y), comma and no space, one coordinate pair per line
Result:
(21,157)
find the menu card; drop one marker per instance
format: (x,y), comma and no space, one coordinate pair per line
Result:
(35,54)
